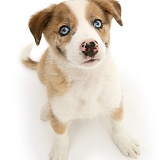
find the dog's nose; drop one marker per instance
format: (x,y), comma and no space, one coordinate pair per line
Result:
(89,48)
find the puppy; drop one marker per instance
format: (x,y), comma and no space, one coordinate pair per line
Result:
(78,71)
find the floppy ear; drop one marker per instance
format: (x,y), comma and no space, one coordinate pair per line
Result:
(111,6)
(39,21)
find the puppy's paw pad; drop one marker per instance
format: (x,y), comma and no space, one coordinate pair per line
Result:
(128,146)
(45,112)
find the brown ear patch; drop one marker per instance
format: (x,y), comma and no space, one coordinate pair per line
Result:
(111,6)
(39,21)
(117,6)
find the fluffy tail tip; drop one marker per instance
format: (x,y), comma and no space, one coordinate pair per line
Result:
(26,60)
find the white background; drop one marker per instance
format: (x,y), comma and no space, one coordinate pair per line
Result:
(136,50)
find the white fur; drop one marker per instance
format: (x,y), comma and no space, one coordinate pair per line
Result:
(60,147)
(124,141)
(84,32)
(93,92)
(26,51)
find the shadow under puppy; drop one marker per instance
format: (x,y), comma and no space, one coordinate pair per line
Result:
(78,71)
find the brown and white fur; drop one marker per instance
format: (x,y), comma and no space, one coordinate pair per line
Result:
(79,86)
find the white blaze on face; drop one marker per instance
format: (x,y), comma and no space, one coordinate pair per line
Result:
(83,32)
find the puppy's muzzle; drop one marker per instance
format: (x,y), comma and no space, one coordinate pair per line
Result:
(89,48)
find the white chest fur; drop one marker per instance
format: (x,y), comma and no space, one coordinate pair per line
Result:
(90,95)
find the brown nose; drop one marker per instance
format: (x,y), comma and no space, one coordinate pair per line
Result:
(89,48)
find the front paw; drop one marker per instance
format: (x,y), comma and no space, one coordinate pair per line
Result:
(127,145)
(59,153)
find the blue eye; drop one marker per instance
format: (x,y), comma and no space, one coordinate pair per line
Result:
(64,30)
(98,24)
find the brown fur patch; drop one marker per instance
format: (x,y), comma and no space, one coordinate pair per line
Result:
(57,126)
(117,114)
(93,12)
(57,83)
(42,67)
(112,7)
(49,21)
(62,16)
(52,77)
(30,63)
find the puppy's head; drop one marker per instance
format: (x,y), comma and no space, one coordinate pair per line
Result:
(77,31)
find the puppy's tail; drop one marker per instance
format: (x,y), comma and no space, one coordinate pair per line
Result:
(26,60)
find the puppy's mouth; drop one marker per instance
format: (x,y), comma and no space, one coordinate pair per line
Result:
(90,61)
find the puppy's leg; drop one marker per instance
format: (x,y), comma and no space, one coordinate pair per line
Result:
(127,145)
(61,141)
(45,112)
